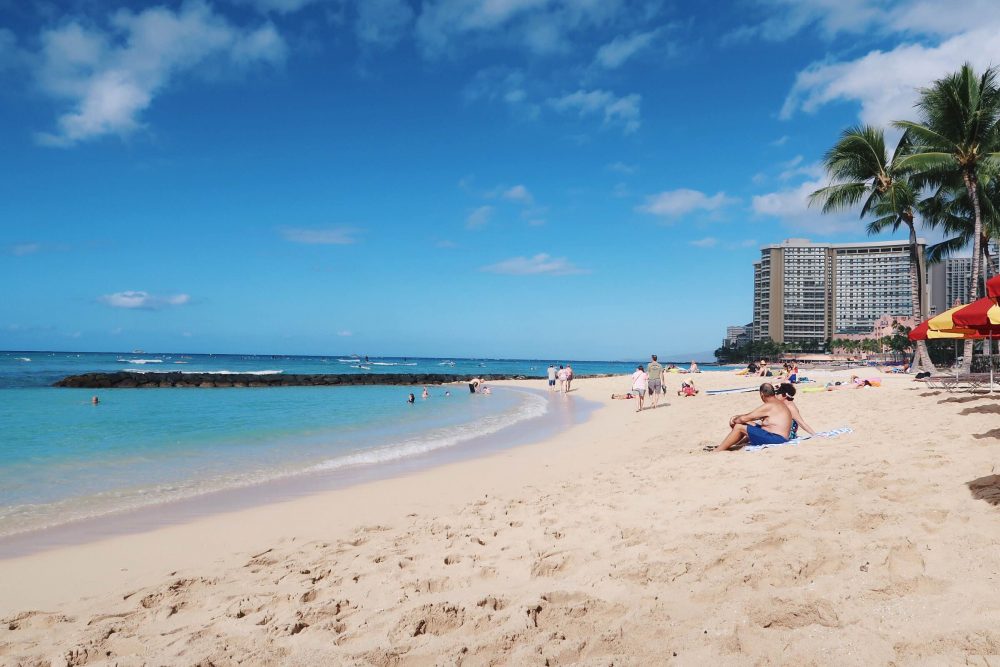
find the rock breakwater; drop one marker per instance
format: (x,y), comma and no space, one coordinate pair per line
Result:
(131,380)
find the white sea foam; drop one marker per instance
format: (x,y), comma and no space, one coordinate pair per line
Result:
(23,358)
(140,361)
(533,406)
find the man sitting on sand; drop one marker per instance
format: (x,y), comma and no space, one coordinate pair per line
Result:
(773,413)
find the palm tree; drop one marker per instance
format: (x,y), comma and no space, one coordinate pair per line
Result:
(864,173)
(949,208)
(959,132)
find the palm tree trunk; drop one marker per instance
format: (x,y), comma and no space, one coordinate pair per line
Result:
(969,175)
(918,296)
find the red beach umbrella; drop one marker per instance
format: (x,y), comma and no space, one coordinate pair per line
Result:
(923,331)
(983,315)
(993,287)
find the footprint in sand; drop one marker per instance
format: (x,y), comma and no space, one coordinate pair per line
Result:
(790,614)
(431,619)
(549,564)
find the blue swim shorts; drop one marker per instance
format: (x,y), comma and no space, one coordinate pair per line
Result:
(759,436)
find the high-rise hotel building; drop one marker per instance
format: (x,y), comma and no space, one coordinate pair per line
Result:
(811,292)
(948,280)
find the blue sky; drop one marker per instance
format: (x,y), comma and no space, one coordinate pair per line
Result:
(548,178)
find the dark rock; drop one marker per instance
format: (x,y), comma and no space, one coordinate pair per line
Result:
(125,379)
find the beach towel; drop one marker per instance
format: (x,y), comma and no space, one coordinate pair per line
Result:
(795,441)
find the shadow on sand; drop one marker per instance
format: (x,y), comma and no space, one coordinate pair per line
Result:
(967,399)
(981,410)
(986,488)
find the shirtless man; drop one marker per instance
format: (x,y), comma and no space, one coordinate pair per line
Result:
(773,412)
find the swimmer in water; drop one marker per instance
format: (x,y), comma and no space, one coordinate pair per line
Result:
(426,393)
(95,400)
(447,393)
(412,399)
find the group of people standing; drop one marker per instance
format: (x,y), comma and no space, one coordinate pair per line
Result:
(650,381)
(564,376)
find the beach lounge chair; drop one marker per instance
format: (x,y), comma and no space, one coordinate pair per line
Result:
(957,382)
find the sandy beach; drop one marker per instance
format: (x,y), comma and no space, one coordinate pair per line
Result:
(618,541)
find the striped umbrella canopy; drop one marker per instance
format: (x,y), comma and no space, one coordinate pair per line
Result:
(923,332)
(983,315)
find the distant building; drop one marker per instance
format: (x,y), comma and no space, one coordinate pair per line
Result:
(948,280)
(810,292)
(737,335)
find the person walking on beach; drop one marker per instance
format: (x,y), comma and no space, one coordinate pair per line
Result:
(561,375)
(569,377)
(769,424)
(639,380)
(654,381)
(552,377)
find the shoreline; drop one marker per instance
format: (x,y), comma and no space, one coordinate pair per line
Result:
(559,414)
(615,540)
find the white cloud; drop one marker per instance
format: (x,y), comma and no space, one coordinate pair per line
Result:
(22,249)
(278,6)
(502,84)
(672,204)
(345,333)
(519,194)
(110,77)
(382,22)
(479,218)
(886,83)
(536,265)
(794,167)
(614,54)
(780,141)
(320,236)
(623,168)
(623,111)
(9,54)
(707,242)
(791,207)
(786,18)
(931,41)
(541,27)
(138,300)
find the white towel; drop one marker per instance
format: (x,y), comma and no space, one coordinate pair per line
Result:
(795,441)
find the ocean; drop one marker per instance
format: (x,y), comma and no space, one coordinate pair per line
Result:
(63,459)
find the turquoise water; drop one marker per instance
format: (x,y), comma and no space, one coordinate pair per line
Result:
(62,458)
